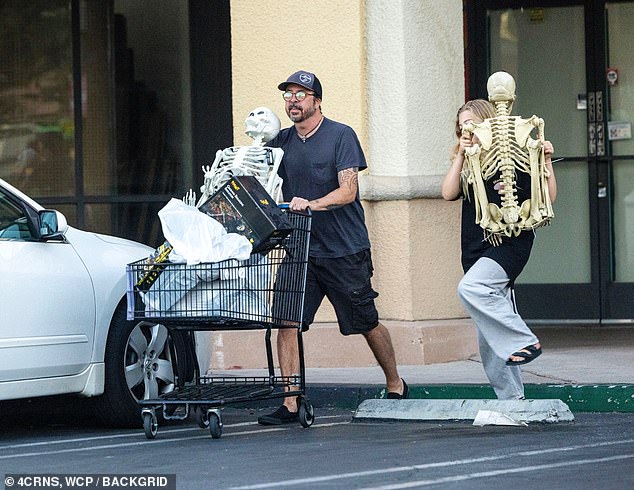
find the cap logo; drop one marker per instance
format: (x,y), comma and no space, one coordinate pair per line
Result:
(305,78)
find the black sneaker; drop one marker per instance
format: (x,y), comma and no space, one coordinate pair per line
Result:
(279,417)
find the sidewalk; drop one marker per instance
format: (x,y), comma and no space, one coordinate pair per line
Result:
(591,369)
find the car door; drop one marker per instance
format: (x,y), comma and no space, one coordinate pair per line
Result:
(47,305)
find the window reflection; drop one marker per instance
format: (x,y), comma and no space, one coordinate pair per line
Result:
(37,134)
(624,220)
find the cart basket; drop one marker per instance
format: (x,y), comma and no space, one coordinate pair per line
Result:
(264,291)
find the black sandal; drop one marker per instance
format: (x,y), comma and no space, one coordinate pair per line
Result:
(392,395)
(528,354)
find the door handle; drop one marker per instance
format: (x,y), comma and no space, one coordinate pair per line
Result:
(602,190)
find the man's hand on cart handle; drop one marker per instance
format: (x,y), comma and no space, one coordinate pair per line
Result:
(299,204)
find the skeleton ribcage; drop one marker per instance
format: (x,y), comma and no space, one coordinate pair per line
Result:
(504,149)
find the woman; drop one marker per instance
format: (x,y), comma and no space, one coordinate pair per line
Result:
(486,290)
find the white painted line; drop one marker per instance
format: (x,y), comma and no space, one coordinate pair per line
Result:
(134,434)
(507,471)
(440,464)
(161,441)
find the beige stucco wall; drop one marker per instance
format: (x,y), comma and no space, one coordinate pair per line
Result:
(270,39)
(394,71)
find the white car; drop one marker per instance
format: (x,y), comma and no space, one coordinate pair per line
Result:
(63,326)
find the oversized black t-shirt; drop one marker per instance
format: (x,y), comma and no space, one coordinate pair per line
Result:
(309,170)
(514,252)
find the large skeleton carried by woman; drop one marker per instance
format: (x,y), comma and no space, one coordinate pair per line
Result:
(507,146)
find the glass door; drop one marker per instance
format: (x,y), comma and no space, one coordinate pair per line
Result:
(571,67)
(616,167)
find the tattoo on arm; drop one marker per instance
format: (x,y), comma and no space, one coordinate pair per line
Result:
(349,178)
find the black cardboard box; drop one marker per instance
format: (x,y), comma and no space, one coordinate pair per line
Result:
(243,206)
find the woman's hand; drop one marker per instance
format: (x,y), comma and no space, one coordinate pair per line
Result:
(549,149)
(465,141)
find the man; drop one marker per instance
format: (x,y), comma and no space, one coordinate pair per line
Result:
(320,168)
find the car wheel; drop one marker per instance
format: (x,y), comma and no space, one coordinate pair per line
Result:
(142,361)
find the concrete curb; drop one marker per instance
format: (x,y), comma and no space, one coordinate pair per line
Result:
(579,398)
(481,412)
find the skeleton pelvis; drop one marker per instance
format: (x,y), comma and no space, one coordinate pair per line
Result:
(506,220)
(508,214)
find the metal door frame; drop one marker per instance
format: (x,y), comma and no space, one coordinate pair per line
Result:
(599,300)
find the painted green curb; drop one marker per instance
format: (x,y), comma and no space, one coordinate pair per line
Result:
(579,398)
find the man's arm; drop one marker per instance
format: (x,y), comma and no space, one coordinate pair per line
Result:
(342,195)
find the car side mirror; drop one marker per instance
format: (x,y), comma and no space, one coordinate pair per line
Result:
(52,224)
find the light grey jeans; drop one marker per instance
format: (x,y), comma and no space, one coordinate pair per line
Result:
(487,297)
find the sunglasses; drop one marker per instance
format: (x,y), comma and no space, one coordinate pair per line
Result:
(299,95)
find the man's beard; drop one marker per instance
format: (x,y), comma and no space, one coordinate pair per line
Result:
(303,115)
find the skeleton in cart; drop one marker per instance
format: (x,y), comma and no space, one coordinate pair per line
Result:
(257,160)
(505,148)
(261,162)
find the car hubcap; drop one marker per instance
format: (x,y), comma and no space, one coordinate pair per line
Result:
(148,361)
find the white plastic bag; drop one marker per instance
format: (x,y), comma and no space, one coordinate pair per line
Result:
(199,238)
(172,285)
(239,292)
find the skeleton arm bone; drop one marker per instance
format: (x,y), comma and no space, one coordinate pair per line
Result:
(472,156)
(549,173)
(209,171)
(274,183)
(552,181)
(538,199)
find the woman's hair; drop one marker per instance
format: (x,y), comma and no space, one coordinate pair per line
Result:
(481,110)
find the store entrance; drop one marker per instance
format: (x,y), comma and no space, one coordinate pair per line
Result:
(573,68)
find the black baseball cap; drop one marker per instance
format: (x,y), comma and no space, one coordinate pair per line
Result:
(304,79)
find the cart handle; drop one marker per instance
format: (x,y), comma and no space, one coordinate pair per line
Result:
(286,205)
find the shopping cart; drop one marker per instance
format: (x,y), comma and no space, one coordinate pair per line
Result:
(264,292)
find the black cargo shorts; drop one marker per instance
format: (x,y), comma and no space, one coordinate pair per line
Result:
(346,282)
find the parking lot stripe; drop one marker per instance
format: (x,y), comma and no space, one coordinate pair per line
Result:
(145,441)
(506,471)
(131,434)
(440,464)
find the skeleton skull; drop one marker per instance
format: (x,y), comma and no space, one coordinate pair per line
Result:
(256,160)
(501,87)
(262,125)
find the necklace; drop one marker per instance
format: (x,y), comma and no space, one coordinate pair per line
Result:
(304,137)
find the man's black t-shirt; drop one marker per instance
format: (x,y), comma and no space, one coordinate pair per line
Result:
(310,170)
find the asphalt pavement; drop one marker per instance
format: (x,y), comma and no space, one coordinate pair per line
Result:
(589,368)
(336,452)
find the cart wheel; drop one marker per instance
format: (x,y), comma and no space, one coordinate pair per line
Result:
(201,417)
(215,424)
(306,413)
(150,425)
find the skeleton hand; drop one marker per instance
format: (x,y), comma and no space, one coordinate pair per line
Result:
(207,182)
(190,198)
